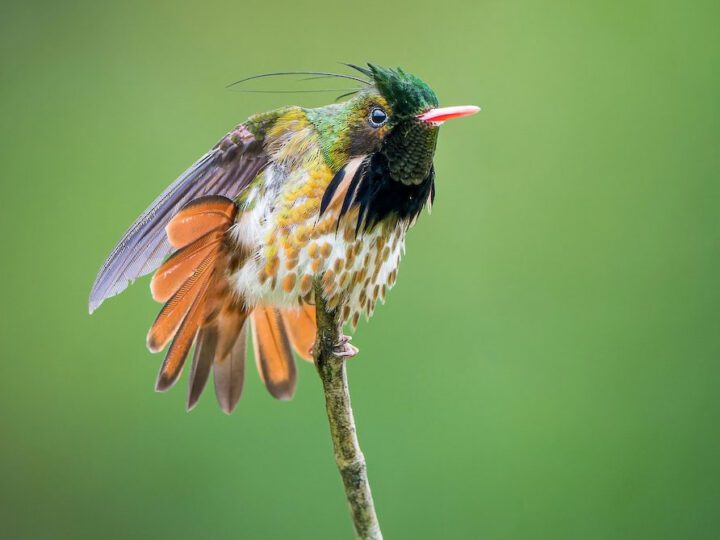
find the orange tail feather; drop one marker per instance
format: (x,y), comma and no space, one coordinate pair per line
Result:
(181,266)
(199,307)
(273,353)
(301,328)
(174,311)
(175,358)
(199,218)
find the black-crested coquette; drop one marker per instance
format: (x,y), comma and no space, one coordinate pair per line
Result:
(286,198)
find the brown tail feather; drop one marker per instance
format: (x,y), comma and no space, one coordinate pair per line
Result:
(181,265)
(200,307)
(200,217)
(174,311)
(301,329)
(175,358)
(201,363)
(273,353)
(217,346)
(229,374)
(230,322)
(187,271)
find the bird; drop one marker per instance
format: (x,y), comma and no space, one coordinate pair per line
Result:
(288,199)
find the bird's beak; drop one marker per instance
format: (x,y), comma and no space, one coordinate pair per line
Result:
(438,116)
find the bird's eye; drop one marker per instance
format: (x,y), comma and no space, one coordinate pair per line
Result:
(378,117)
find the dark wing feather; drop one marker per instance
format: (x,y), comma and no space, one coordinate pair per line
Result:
(225,170)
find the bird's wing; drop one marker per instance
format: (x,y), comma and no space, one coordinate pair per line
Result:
(225,170)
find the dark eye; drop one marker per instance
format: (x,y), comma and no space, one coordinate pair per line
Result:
(377,117)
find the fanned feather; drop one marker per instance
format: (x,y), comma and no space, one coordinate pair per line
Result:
(202,363)
(229,374)
(198,218)
(173,312)
(175,358)
(200,308)
(273,353)
(301,328)
(183,276)
(181,266)
(217,347)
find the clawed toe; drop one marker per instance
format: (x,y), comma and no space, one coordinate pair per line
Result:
(342,349)
(345,350)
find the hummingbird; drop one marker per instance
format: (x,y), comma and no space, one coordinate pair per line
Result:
(291,197)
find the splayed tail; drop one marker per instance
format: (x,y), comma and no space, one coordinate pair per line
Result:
(201,309)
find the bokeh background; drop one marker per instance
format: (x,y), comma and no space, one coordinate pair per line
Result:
(548,365)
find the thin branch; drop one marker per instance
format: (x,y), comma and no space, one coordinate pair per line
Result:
(348,456)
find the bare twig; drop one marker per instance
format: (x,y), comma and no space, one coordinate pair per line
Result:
(348,456)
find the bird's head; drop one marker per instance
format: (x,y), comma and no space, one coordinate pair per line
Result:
(385,135)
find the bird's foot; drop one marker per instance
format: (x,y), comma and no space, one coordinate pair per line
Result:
(342,349)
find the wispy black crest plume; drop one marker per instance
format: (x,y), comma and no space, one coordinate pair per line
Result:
(317,74)
(347,94)
(364,71)
(320,90)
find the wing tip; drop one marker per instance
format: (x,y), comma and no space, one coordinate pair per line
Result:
(95,301)
(99,294)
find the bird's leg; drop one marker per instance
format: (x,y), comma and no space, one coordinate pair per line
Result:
(342,349)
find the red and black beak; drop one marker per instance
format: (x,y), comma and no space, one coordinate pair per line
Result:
(440,115)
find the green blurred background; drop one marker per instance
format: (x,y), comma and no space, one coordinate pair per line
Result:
(548,365)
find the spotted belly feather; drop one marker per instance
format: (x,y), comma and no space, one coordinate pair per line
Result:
(289,246)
